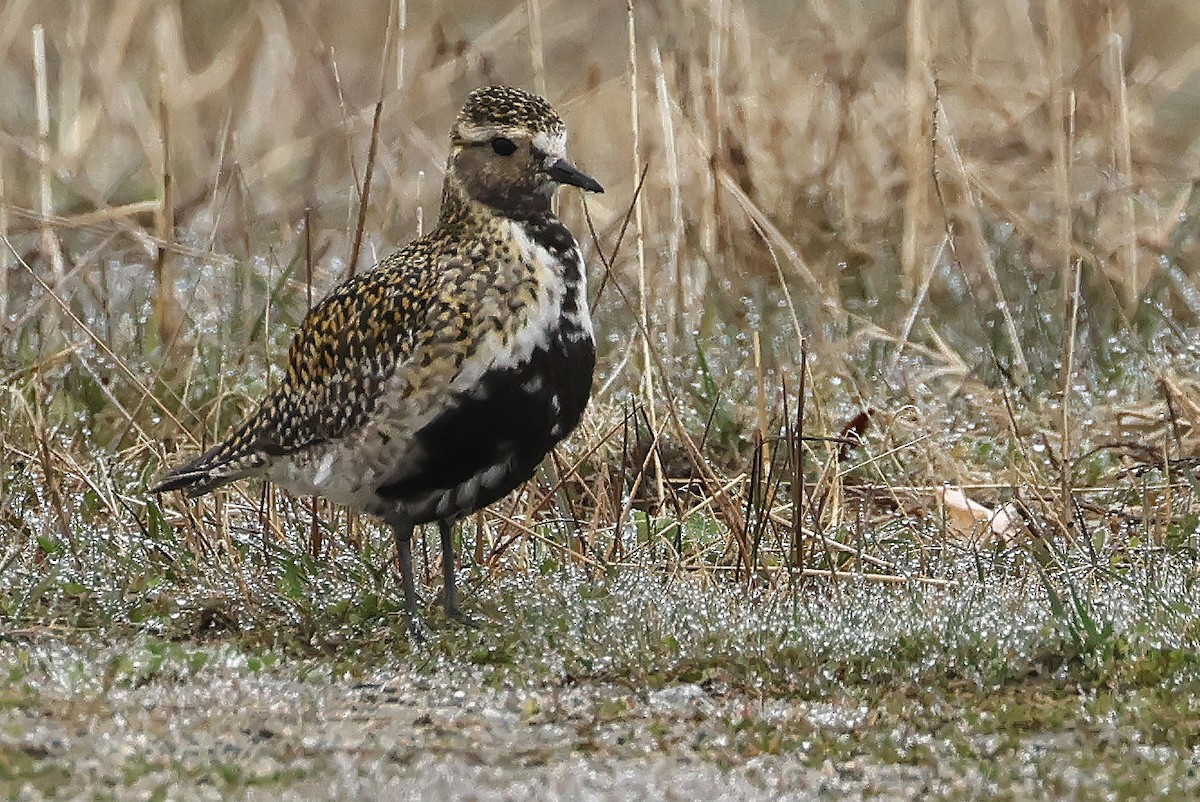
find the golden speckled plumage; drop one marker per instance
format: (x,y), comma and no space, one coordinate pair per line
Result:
(504,107)
(433,384)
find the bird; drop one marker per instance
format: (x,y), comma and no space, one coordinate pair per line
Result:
(435,383)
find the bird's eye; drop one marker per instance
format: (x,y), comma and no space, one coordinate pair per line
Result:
(504,147)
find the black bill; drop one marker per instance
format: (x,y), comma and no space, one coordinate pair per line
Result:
(564,172)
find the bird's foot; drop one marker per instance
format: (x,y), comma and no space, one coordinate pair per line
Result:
(455,613)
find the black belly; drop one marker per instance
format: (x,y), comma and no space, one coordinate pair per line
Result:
(514,417)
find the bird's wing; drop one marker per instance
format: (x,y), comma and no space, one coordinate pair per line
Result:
(386,344)
(389,342)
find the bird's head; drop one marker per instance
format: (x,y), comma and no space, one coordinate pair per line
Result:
(508,150)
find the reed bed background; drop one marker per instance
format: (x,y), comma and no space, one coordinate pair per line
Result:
(906,291)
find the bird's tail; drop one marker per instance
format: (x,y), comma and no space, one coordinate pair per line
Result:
(235,457)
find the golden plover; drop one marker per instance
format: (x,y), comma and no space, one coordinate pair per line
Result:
(434,384)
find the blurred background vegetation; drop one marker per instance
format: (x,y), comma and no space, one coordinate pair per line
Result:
(960,236)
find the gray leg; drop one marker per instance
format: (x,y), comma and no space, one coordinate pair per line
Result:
(403,532)
(446,528)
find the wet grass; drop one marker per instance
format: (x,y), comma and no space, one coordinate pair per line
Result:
(1052,674)
(968,691)
(985,616)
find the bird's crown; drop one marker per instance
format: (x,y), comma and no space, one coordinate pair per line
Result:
(493,110)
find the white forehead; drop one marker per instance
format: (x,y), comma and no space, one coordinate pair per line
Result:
(555,139)
(552,144)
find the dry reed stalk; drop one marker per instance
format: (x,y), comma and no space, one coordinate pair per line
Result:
(347,125)
(5,256)
(798,479)
(918,301)
(167,311)
(644,289)
(1066,382)
(537,48)
(676,232)
(401,12)
(480,535)
(916,152)
(831,502)
(760,386)
(1060,146)
(741,541)
(42,113)
(268,522)
(771,502)
(718,24)
(51,477)
(715,96)
(95,218)
(51,247)
(1114,78)
(364,194)
(1070,270)
(216,207)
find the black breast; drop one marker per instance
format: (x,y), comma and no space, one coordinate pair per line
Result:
(512,418)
